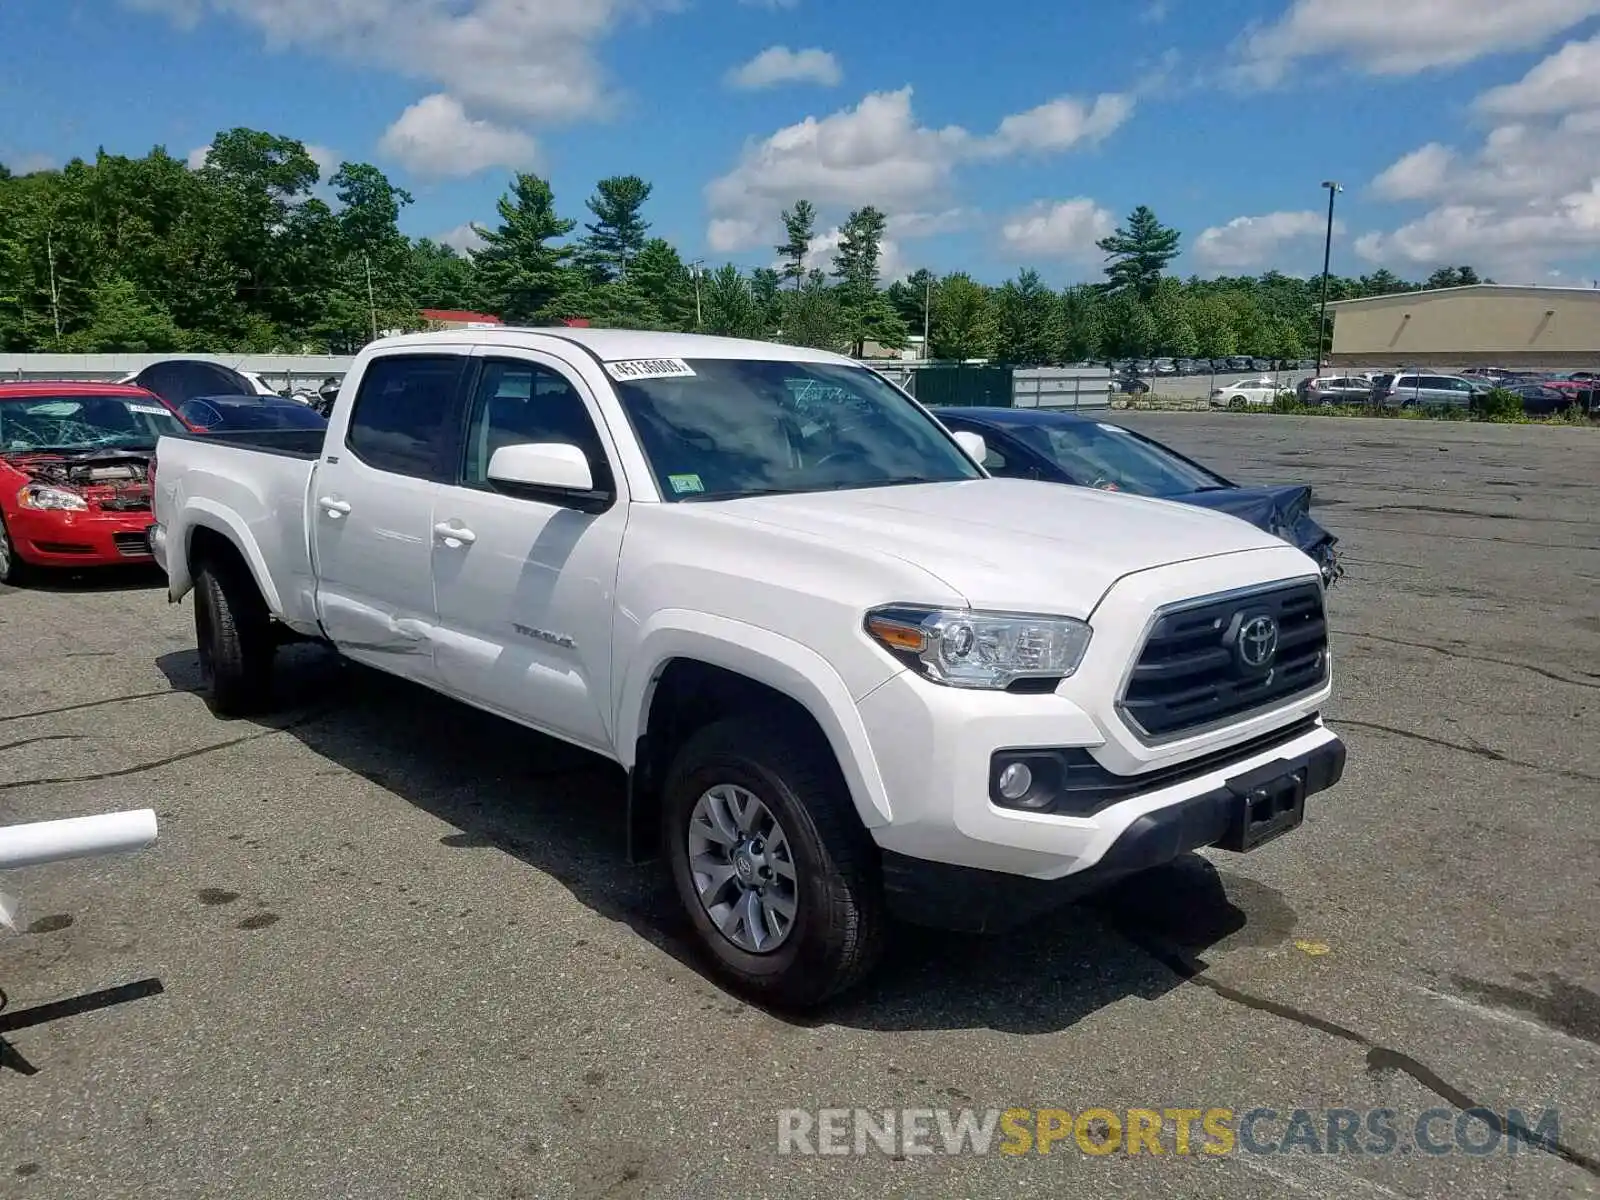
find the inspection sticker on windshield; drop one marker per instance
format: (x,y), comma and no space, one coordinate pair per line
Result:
(154,410)
(649,368)
(686,483)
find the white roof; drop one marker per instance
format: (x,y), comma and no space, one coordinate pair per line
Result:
(615,345)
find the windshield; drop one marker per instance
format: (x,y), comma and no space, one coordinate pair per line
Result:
(717,429)
(1117,460)
(208,414)
(74,423)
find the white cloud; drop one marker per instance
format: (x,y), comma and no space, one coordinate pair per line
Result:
(1515,246)
(1155,12)
(1569,79)
(197,157)
(435,137)
(28,163)
(462,238)
(1066,229)
(1383,37)
(877,153)
(517,58)
(929,224)
(779,64)
(729,235)
(1417,175)
(824,250)
(1251,243)
(1059,125)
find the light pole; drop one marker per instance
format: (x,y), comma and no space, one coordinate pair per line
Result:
(694,269)
(1327,257)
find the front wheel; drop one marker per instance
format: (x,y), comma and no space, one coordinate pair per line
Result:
(12,569)
(780,880)
(1237,403)
(234,633)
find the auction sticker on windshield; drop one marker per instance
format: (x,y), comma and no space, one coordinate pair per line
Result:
(649,368)
(154,410)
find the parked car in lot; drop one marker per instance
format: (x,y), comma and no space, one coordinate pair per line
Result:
(1060,447)
(1244,393)
(74,474)
(1421,390)
(848,673)
(211,414)
(1334,389)
(1547,399)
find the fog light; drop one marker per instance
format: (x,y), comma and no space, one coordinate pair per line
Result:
(1015,781)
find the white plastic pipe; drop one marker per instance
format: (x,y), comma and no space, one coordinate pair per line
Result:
(75,837)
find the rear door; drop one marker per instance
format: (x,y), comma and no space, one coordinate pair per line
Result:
(525,585)
(371,509)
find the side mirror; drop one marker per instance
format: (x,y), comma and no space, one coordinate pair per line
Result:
(552,471)
(974,445)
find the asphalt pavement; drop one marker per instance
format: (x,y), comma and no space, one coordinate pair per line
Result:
(388,946)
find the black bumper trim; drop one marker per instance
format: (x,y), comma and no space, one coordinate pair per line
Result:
(971,900)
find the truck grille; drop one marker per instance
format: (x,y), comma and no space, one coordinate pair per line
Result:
(1211,661)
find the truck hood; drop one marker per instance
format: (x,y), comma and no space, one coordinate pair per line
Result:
(1015,544)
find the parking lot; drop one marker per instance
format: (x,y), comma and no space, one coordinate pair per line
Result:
(388,946)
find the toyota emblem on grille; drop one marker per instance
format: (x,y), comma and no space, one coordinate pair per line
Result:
(1258,642)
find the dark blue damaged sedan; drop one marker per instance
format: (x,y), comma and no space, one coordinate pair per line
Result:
(1059,447)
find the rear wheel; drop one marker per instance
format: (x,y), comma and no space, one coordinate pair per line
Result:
(1237,402)
(778,876)
(234,633)
(13,570)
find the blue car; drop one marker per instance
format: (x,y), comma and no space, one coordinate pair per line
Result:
(1058,447)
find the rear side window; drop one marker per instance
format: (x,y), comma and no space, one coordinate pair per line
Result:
(403,417)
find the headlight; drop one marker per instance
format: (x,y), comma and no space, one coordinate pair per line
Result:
(51,499)
(989,650)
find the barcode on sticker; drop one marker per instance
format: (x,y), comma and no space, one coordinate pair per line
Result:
(649,368)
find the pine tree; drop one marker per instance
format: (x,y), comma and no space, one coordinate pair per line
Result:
(524,279)
(868,315)
(1138,254)
(963,318)
(617,234)
(800,224)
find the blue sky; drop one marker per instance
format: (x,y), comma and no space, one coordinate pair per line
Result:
(994,135)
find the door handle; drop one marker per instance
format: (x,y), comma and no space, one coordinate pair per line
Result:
(454,535)
(334,508)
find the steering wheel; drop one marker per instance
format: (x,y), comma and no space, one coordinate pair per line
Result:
(1105,484)
(844,453)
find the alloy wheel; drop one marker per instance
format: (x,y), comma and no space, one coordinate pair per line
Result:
(743,868)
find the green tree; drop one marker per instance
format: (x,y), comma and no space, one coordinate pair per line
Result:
(1130,330)
(963,319)
(122,322)
(799,226)
(764,290)
(524,279)
(1212,317)
(729,307)
(441,277)
(661,277)
(1081,333)
(812,315)
(1138,254)
(868,315)
(1027,323)
(1174,329)
(617,234)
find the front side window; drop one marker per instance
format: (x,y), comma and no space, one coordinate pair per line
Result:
(1114,459)
(742,427)
(84,423)
(519,402)
(402,415)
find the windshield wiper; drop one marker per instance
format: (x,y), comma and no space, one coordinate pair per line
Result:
(738,494)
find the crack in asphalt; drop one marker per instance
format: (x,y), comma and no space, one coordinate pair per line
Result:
(47,737)
(1468,537)
(1449,652)
(120,772)
(50,712)
(1380,1058)
(1477,750)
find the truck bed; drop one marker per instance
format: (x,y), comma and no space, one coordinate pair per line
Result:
(288,443)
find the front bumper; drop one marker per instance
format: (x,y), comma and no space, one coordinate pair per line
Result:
(1247,808)
(79,539)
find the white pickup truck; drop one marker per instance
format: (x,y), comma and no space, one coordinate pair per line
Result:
(851,676)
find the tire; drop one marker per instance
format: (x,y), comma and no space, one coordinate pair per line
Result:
(234,634)
(1237,403)
(838,925)
(13,571)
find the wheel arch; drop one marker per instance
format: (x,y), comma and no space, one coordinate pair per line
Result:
(210,529)
(692,668)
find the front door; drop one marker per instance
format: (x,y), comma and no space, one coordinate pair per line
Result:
(525,587)
(372,512)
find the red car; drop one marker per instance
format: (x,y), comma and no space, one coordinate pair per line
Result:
(75,461)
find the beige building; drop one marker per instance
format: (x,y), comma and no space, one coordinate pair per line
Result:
(1486,324)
